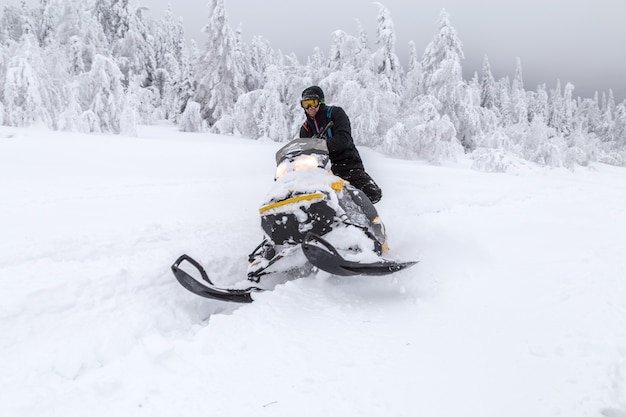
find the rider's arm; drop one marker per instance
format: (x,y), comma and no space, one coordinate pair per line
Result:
(341,131)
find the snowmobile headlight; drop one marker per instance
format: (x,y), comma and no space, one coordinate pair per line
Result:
(301,163)
(306,162)
(281,169)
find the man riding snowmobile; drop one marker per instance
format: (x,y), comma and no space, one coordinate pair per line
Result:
(306,201)
(345,158)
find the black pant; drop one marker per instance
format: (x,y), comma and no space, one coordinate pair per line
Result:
(361,180)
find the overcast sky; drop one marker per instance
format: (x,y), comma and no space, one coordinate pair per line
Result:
(577,41)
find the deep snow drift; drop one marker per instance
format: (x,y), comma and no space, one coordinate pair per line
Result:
(517,308)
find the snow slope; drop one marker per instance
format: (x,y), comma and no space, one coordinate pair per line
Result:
(517,308)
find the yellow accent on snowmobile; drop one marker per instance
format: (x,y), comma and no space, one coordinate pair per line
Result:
(385,247)
(304,197)
(337,185)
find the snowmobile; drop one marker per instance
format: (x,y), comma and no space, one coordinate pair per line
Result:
(306,209)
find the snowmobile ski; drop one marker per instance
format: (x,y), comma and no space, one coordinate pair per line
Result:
(325,257)
(209,290)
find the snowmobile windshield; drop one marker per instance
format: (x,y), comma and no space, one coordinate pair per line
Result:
(302,154)
(301,146)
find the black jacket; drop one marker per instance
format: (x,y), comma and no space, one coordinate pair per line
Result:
(343,154)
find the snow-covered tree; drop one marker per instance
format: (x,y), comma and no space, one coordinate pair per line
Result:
(28,92)
(385,60)
(12,22)
(605,130)
(609,104)
(364,52)
(443,79)
(71,118)
(172,63)
(134,51)
(538,103)
(425,135)
(24,95)
(222,80)
(114,16)
(78,30)
(102,96)
(48,10)
(372,111)
(132,105)
(261,56)
(504,102)
(186,87)
(191,119)
(441,64)
(543,146)
(413,78)
(569,109)
(262,113)
(519,107)
(588,115)
(170,39)
(556,108)
(343,52)
(488,89)
(619,127)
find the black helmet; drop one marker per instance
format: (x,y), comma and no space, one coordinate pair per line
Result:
(313,92)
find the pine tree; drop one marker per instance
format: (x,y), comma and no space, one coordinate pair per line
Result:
(619,127)
(222,78)
(441,63)
(443,79)
(610,104)
(70,118)
(385,60)
(48,19)
(262,113)
(556,108)
(413,77)
(170,53)
(28,91)
(12,22)
(134,49)
(605,131)
(519,107)
(170,39)
(569,109)
(340,54)
(364,52)
(191,120)
(487,86)
(186,89)
(241,58)
(101,94)
(261,56)
(114,17)
(541,103)
(504,102)
(424,134)
(589,115)
(78,30)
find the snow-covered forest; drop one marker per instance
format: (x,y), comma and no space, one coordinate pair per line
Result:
(107,66)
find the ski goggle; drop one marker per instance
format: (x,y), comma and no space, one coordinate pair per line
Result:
(311,102)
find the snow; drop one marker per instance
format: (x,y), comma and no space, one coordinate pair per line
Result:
(517,307)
